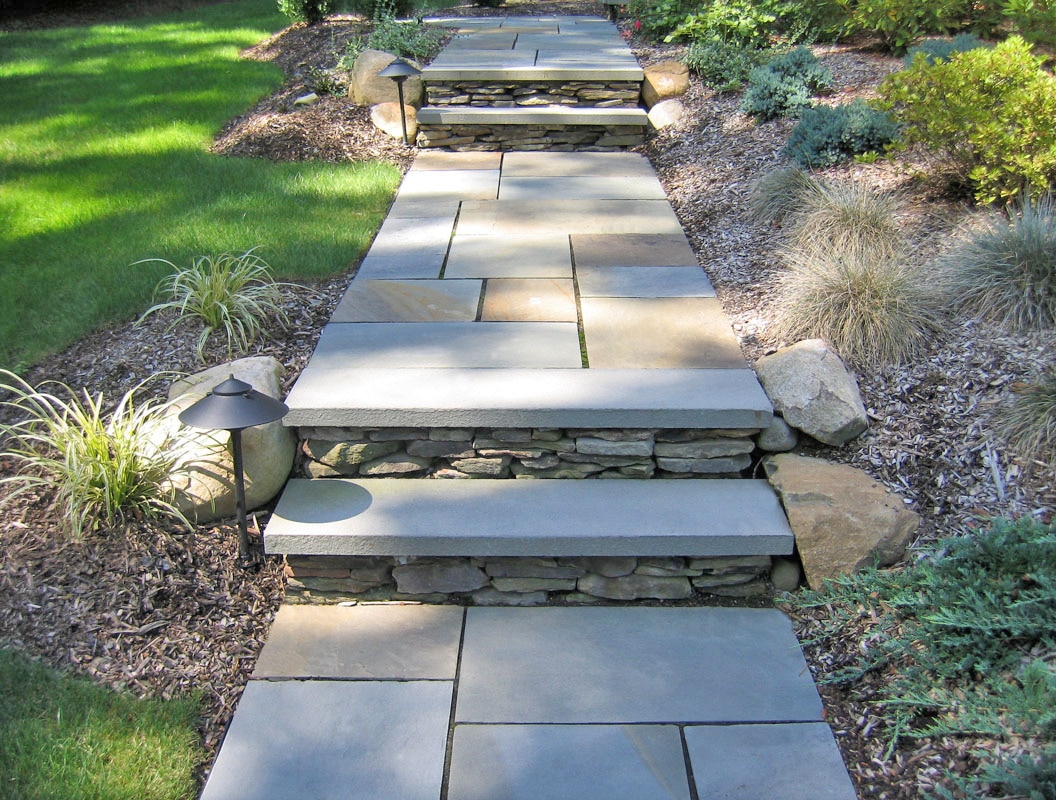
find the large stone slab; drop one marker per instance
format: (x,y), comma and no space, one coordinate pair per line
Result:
(652,249)
(391,516)
(390,642)
(627,665)
(334,740)
(549,398)
(403,345)
(539,762)
(416,209)
(747,762)
(469,184)
(543,256)
(658,333)
(409,301)
(443,160)
(643,282)
(573,165)
(622,188)
(533,217)
(403,236)
(514,299)
(412,264)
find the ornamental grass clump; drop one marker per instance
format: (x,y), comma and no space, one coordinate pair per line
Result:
(872,304)
(233,295)
(1006,272)
(781,193)
(851,212)
(1029,423)
(107,469)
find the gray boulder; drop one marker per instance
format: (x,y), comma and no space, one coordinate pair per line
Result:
(812,389)
(368,89)
(205,473)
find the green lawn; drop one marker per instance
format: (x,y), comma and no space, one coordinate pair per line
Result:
(63,738)
(104,161)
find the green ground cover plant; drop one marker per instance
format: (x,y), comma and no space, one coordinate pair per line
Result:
(785,85)
(105,466)
(827,135)
(111,165)
(724,66)
(63,737)
(960,642)
(985,115)
(941,49)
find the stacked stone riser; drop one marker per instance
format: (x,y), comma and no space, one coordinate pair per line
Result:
(505,138)
(512,94)
(524,453)
(523,581)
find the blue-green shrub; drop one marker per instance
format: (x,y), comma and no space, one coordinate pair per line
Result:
(941,49)
(785,86)
(825,136)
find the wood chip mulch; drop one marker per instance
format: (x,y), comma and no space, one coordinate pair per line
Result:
(159,611)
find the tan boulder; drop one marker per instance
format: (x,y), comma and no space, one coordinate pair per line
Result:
(842,519)
(205,477)
(369,89)
(663,81)
(386,117)
(666,113)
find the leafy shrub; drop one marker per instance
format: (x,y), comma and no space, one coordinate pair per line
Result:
(784,87)
(1007,270)
(1034,20)
(406,39)
(106,469)
(872,304)
(1029,424)
(899,23)
(781,193)
(659,17)
(986,115)
(743,22)
(941,49)
(828,135)
(310,11)
(724,66)
(324,81)
(234,295)
(958,643)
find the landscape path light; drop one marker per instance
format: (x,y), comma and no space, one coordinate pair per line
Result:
(235,405)
(400,70)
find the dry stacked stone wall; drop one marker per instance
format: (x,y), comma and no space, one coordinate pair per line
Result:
(554,137)
(582,94)
(523,580)
(524,452)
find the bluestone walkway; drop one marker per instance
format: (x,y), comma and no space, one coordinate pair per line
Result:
(420,702)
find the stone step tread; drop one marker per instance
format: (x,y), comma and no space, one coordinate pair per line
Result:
(533,398)
(424,517)
(533,115)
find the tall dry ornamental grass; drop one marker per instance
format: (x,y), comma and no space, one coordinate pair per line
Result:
(1006,271)
(1029,423)
(848,212)
(875,306)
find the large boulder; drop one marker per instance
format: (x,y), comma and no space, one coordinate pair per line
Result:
(666,113)
(368,89)
(812,389)
(842,519)
(205,480)
(386,117)
(663,81)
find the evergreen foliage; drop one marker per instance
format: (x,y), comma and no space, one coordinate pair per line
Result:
(827,135)
(784,87)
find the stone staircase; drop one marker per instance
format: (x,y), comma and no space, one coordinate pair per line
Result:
(532,83)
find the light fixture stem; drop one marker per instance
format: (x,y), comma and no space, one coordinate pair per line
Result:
(240,497)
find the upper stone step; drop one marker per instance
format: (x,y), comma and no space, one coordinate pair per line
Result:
(395,517)
(534,115)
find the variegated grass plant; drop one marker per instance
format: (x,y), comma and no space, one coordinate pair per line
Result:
(107,468)
(233,295)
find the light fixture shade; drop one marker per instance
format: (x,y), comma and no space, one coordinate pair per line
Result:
(233,405)
(399,69)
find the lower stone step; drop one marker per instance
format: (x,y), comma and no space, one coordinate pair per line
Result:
(406,517)
(531,128)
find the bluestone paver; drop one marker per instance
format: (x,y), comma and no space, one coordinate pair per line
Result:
(467,184)
(416,209)
(540,299)
(576,165)
(668,333)
(536,345)
(412,235)
(533,217)
(621,665)
(644,282)
(641,250)
(411,264)
(409,301)
(543,256)
(378,642)
(626,188)
(444,160)
(749,762)
(334,740)
(546,762)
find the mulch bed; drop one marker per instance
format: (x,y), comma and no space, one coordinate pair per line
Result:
(158,611)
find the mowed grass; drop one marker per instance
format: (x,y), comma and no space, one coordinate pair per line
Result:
(104,161)
(64,738)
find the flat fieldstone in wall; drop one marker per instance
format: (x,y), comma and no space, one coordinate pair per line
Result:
(811,387)
(636,587)
(343,456)
(395,464)
(608,567)
(450,576)
(843,520)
